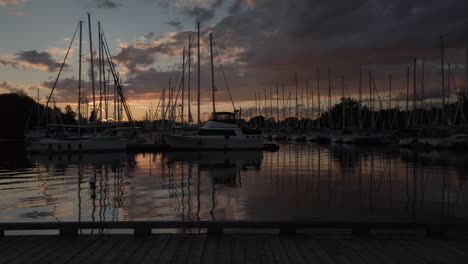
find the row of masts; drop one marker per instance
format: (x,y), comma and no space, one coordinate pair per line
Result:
(169,106)
(110,86)
(314,110)
(308,104)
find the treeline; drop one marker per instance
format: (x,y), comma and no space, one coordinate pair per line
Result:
(356,117)
(19,113)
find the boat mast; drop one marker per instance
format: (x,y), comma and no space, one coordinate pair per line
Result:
(329,99)
(371,102)
(265,107)
(198,81)
(360,98)
(449,107)
(271,104)
(414,92)
(183,85)
(277,105)
(104,80)
(38,109)
(92,70)
(212,72)
(100,67)
(466,67)
(189,80)
(407,97)
(389,94)
(297,105)
(318,96)
(343,105)
(79,79)
(442,64)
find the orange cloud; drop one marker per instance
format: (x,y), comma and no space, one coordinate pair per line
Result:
(11,2)
(13,13)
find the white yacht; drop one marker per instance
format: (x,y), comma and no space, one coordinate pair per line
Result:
(220,133)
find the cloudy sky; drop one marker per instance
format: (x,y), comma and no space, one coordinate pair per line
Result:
(261,44)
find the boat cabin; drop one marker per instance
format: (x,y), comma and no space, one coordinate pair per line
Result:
(224,117)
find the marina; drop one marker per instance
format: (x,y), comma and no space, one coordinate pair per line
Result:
(234,131)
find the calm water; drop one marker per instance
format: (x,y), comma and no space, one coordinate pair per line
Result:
(299,182)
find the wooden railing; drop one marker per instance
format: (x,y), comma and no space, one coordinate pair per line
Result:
(218,227)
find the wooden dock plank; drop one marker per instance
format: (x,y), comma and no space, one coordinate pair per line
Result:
(313,251)
(232,249)
(196,249)
(40,247)
(24,248)
(210,250)
(156,244)
(183,251)
(238,251)
(126,253)
(367,251)
(266,253)
(393,250)
(251,250)
(293,253)
(224,252)
(90,252)
(337,252)
(72,248)
(170,250)
(279,254)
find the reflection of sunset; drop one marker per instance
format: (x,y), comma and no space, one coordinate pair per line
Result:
(303,181)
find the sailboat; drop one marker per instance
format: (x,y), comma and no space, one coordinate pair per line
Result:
(221,132)
(111,139)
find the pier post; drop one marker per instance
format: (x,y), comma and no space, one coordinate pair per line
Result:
(215,230)
(68,231)
(142,230)
(436,231)
(288,231)
(362,231)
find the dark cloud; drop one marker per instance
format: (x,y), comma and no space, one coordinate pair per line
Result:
(200,14)
(7,86)
(106,4)
(66,90)
(236,6)
(131,57)
(175,24)
(217,3)
(42,60)
(264,44)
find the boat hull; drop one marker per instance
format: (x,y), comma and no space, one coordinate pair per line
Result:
(63,146)
(213,143)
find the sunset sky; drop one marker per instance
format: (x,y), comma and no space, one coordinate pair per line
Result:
(262,43)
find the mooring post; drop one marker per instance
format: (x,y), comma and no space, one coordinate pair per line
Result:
(142,230)
(363,231)
(436,231)
(288,231)
(215,230)
(68,231)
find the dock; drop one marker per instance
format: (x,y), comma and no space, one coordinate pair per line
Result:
(235,242)
(232,248)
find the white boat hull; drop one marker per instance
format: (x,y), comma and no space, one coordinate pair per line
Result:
(88,145)
(214,143)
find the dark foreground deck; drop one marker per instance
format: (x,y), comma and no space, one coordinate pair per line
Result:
(233,248)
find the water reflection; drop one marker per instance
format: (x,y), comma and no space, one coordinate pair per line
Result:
(299,182)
